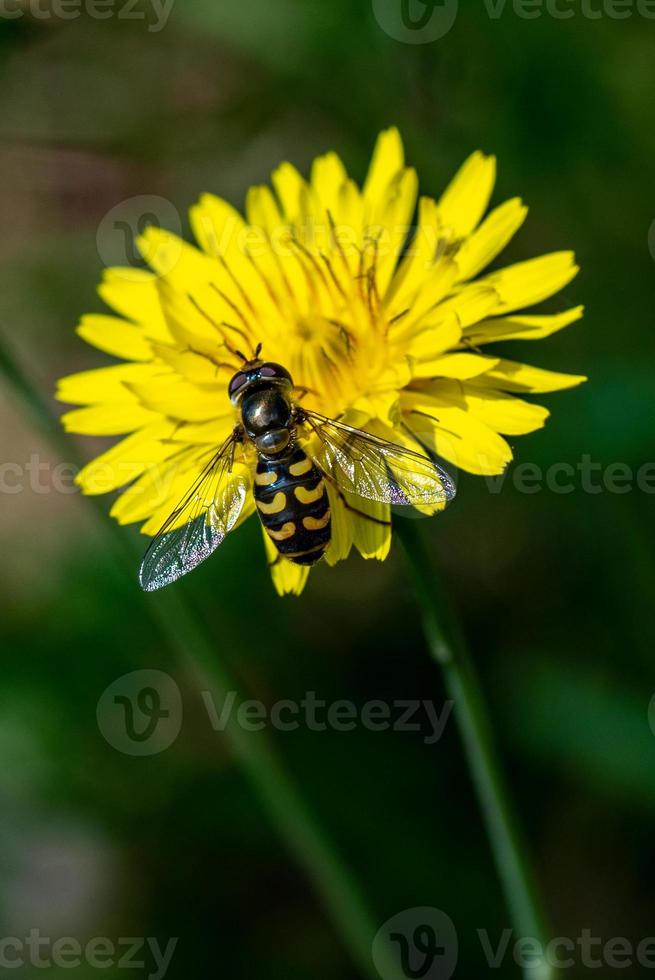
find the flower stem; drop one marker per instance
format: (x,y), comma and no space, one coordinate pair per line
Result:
(448,648)
(293,820)
(286,807)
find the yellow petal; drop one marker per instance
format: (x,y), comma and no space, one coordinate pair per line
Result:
(491,237)
(327,178)
(471,303)
(432,340)
(390,224)
(216,225)
(372,538)
(128,459)
(292,191)
(430,292)
(502,412)
(455,434)
(388,158)
(197,321)
(465,200)
(461,366)
(349,217)
(531,282)
(222,233)
(288,578)
(189,286)
(170,256)
(342,528)
(104,384)
(197,366)
(262,209)
(214,432)
(423,254)
(512,376)
(172,395)
(115,336)
(108,419)
(276,259)
(163,483)
(133,293)
(520,327)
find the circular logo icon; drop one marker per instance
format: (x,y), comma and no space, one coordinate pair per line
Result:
(415,21)
(117,235)
(419,943)
(141,712)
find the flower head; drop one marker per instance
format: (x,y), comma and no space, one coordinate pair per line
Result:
(379,315)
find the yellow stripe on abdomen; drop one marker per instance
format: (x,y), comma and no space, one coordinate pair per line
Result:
(265,479)
(276,505)
(285,532)
(309,496)
(316,523)
(304,466)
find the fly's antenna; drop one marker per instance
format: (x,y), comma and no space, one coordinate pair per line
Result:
(235,353)
(247,360)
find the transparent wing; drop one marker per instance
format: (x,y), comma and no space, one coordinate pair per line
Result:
(199,523)
(371,467)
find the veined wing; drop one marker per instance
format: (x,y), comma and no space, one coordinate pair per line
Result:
(199,523)
(371,467)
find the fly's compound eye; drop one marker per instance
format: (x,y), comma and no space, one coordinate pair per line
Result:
(272,370)
(237,382)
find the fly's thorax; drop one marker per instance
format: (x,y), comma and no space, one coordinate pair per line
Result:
(266,414)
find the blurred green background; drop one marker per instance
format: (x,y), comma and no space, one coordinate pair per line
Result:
(555,590)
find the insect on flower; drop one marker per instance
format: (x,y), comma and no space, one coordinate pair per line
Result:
(374,308)
(289,484)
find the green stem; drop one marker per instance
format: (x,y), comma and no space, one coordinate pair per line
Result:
(293,819)
(304,838)
(448,648)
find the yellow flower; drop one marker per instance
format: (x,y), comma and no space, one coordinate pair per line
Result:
(378,315)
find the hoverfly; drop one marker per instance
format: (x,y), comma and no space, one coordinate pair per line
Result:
(289,483)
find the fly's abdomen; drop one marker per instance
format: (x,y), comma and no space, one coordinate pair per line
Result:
(293,506)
